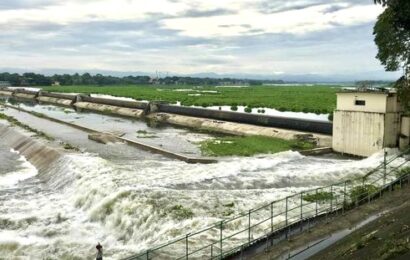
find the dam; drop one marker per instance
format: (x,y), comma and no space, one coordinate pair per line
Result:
(225,122)
(60,201)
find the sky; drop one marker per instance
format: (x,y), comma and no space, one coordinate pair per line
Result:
(263,37)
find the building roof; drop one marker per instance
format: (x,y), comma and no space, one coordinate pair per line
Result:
(384,91)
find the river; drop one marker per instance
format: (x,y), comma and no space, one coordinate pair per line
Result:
(130,200)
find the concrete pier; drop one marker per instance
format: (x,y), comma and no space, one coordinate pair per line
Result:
(6,93)
(57,101)
(24,95)
(122,111)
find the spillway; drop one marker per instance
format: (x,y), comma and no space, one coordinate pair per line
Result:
(57,204)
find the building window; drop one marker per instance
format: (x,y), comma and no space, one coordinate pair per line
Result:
(360,102)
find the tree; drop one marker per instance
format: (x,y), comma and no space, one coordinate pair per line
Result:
(392,37)
(382,2)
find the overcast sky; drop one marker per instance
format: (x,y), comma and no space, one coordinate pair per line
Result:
(191,36)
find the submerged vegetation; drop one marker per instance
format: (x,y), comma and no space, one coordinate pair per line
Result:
(179,212)
(318,197)
(250,145)
(145,134)
(283,98)
(68,146)
(15,122)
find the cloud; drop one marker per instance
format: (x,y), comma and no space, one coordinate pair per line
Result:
(270,7)
(294,21)
(206,13)
(25,4)
(334,8)
(188,36)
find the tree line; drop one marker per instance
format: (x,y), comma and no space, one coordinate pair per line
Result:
(34,79)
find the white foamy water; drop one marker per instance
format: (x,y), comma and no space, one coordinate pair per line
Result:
(14,169)
(129,207)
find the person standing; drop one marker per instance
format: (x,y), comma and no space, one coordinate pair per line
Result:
(99,251)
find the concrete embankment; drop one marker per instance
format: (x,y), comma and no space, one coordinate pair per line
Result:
(248,118)
(203,119)
(55,98)
(140,145)
(122,111)
(6,93)
(111,106)
(235,128)
(25,94)
(36,153)
(52,100)
(112,102)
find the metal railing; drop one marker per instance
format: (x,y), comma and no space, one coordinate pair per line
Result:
(230,236)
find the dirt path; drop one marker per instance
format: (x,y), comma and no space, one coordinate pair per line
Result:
(384,238)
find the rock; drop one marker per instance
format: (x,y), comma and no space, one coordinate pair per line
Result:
(103,138)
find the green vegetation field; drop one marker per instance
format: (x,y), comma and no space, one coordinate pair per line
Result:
(250,145)
(316,99)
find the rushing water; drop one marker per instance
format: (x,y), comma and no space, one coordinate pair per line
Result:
(13,168)
(127,199)
(82,199)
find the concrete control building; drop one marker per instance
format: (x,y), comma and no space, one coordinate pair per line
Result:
(367,121)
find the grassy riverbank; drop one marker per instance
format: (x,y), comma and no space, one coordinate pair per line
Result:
(249,145)
(316,99)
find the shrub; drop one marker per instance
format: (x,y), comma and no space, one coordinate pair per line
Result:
(394,248)
(180,212)
(249,145)
(319,197)
(403,171)
(234,108)
(248,110)
(68,146)
(330,117)
(229,205)
(361,192)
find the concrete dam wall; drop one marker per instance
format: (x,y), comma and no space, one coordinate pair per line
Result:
(122,111)
(246,118)
(112,102)
(218,121)
(38,154)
